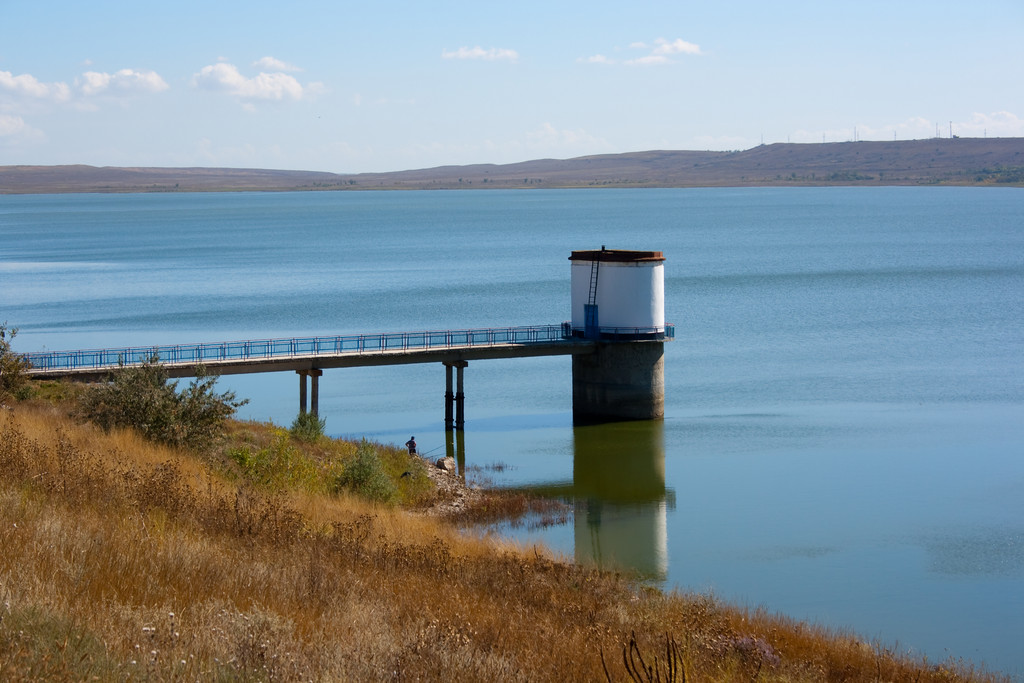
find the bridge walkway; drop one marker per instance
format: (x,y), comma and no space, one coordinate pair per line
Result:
(309,356)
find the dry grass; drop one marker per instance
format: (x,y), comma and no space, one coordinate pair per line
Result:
(122,560)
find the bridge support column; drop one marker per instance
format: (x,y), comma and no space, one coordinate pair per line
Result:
(619,381)
(460,398)
(449,399)
(456,400)
(314,398)
(315,374)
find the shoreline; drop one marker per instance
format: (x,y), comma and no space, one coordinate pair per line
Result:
(214,576)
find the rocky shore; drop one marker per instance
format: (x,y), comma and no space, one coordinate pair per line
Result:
(454,496)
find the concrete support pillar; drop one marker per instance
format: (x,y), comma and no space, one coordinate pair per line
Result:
(303,393)
(619,381)
(449,399)
(458,398)
(315,395)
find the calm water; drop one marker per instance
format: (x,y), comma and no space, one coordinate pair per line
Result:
(844,424)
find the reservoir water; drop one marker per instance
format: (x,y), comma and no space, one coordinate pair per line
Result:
(844,429)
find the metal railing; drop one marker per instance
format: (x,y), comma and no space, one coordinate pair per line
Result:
(287,348)
(260,349)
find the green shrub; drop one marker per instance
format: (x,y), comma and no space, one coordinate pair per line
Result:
(142,398)
(308,427)
(12,366)
(365,476)
(279,466)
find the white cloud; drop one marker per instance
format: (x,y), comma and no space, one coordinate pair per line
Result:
(14,128)
(273,64)
(1002,124)
(11,125)
(92,83)
(125,81)
(661,52)
(266,86)
(29,86)
(676,47)
(491,54)
(27,93)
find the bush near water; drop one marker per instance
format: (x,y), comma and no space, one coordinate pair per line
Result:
(259,557)
(12,366)
(141,397)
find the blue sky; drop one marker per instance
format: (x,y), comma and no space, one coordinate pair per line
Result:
(377,86)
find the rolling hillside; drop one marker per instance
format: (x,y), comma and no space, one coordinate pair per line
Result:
(957,161)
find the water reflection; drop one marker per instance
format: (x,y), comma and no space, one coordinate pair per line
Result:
(621,502)
(455,448)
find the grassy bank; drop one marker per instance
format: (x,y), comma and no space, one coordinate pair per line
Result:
(123,559)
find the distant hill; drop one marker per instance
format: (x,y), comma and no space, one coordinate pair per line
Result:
(956,161)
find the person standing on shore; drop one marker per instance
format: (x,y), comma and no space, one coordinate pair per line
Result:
(411,445)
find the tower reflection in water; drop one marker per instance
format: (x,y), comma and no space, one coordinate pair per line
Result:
(621,503)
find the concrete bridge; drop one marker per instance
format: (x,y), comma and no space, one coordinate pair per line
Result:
(631,387)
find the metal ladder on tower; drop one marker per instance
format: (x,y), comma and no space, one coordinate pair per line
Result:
(591,326)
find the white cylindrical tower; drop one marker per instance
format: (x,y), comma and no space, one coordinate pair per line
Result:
(618,301)
(618,294)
